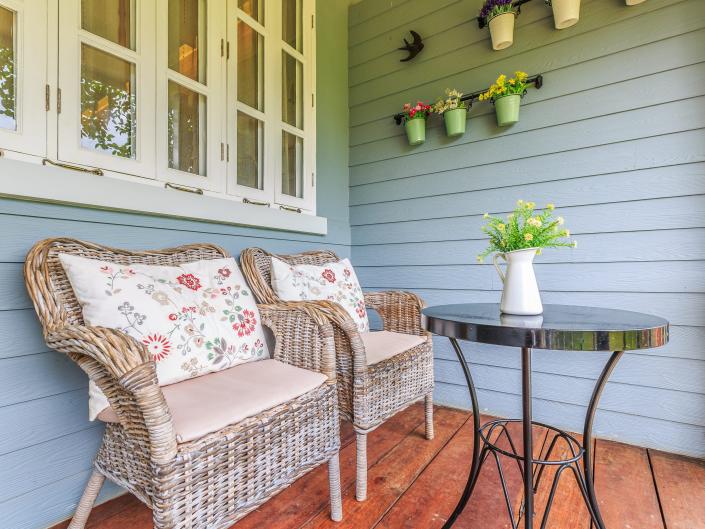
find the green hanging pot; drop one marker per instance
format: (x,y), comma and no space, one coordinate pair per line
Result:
(416,130)
(455,121)
(507,108)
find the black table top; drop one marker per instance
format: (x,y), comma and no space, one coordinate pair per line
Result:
(560,327)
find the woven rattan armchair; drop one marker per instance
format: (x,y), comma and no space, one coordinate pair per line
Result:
(209,482)
(367,394)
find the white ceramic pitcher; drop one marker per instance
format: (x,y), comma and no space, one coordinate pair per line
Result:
(521,292)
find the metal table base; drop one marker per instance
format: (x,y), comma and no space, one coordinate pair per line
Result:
(532,469)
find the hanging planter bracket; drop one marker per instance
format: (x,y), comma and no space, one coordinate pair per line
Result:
(516,4)
(536,80)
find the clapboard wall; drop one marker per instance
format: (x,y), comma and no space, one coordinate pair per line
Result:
(616,138)
(47,443)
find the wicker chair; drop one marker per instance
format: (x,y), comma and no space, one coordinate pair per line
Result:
(209,482)
(367,394)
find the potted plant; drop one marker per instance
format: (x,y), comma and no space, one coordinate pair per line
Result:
(506,96)
(414,119)
(566,13)
(517,240)
(454,112)
(499,15)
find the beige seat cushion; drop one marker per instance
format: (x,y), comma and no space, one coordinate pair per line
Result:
(208,403)
(381,345)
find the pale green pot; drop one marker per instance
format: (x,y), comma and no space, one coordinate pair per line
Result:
(416,130)
(507,108)
(455,121)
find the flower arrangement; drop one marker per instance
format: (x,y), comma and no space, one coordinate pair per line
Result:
(420,110)
(452,101)
(503,87)
(526,228)
(492,8)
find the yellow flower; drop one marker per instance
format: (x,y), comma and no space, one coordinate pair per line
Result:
(575,244)
(550,206)
(534,221)
(521,75)
(531,205)
(501,79)
(520,202)
(479,259)
(566,233)
(560,221)
(486,216)
(501,227)
(528,237)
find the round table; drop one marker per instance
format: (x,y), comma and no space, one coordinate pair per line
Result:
(560,327)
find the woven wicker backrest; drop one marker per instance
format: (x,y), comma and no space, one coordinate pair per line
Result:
(49,287)
(256,264)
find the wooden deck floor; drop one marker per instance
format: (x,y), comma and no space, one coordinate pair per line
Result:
(414,483)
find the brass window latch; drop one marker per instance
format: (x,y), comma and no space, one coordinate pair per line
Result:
(187,189)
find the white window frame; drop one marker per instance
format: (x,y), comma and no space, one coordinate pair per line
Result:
(71,37)
(31,78)
(213,90)
(45,134)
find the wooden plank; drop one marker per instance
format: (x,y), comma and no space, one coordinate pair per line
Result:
(659,182)
(309,496)
(101,513)
(641,431)
(679,482)
(665,213)
(393,474)
(678,245)
(659,276)
(642,153)
(625,487)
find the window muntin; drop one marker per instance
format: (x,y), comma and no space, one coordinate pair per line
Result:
(186,130)
(252,8)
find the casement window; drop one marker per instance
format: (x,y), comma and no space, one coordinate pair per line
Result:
(210,96)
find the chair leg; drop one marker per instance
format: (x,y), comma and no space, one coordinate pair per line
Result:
(361,480)
(429,416)
(336,498)
(85,505)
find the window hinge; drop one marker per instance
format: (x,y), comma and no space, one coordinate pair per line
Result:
(312,21)
(313,99)
(227,50)
(222,47)
(58,100)
(222,151)
(47,98)
(227,152)
(313,179)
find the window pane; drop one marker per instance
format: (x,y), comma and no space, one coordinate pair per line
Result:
(291,23)
(250,66)
(250,146)
(8,81)
(292,92)
(292,165)
(113,20)
(187,129)
(108,106)
(254,8)
(187,38)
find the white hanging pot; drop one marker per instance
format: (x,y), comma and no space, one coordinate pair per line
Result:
(633,2)
(520,295)
(566,13)
(502,30)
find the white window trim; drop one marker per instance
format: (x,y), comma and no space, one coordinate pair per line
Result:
(30,181)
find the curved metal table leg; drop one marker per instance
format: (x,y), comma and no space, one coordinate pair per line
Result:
(587,436)
(475,468)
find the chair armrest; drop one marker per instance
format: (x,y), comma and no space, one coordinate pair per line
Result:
(400,311)
(120,364)
(303,334)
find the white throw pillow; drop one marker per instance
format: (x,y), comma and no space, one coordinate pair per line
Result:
(332,281)
(195,319)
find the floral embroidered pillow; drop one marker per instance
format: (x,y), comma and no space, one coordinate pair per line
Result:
(332,281)
(195,319)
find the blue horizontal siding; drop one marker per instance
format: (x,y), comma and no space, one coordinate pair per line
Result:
(615,137)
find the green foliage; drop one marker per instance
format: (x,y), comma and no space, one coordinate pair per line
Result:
(525,228)
(99,121)
(7,82)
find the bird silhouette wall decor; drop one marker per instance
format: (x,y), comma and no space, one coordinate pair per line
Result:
(414,48)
